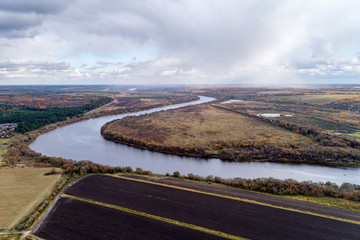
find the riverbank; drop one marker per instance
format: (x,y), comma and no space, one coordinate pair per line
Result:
(17,157)
(127,106)
(20,143)
(212,132)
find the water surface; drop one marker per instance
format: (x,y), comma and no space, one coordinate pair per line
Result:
(83,141)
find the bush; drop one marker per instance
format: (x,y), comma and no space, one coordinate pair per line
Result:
(176,174)
(218,179)
(210,178)
(191,176)
(146,172)
(128,169)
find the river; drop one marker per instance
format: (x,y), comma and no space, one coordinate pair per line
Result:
(83,141)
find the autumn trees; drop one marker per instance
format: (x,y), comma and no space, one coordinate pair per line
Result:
(30,118)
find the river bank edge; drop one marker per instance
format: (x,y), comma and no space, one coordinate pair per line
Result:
(81,168)
(191,151)
(18,154)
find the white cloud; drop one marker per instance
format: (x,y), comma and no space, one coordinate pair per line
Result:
(186,41)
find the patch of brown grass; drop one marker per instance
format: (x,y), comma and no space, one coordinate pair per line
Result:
(203,125)
(316,99)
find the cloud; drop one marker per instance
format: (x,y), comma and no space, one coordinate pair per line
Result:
(35,69)
(21,18)
(34,6)
(185,41)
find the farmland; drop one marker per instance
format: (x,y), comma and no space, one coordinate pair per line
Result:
(22,189)
(315,99)
(302,132)
(131,208)
(317,117)
(41,108)
(109,224)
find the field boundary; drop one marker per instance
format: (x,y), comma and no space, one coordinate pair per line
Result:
(163,219)
(242,200)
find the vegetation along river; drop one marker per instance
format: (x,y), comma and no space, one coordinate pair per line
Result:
(83,141)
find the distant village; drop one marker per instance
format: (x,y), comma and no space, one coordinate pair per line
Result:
(7,129)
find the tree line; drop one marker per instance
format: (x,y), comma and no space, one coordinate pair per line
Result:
(322,137)
(287,187)
(30,118)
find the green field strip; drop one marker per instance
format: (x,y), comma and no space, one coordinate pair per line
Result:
(242,200)
(163,219)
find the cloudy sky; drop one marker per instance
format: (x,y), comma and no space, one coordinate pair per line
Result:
(190,41)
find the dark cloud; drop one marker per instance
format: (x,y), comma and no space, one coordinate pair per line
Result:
(34,6)
(22,18)
(19,24)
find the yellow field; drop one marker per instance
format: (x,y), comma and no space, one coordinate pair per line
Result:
(21,189)
(316,99)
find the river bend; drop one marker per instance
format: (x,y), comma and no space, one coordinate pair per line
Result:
(83,141)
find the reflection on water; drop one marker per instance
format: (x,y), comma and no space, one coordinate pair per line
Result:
(82,141)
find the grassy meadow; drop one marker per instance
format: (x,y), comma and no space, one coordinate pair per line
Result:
(4,144)
(314,116)
(316,99)
(204,125)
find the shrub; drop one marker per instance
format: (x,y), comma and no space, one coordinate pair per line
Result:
(176,174)
(146,172)
(191,176)
(210,178)
(217,179)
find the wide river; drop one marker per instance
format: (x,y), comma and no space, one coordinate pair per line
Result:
(83,141)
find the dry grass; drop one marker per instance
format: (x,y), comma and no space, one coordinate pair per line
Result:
(329,201)
(203,125)
(316,99)
(10,237)
(314,116)
(4,144)
(20,190)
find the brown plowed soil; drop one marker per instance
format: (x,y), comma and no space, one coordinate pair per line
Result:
(74,219)
(234,217)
